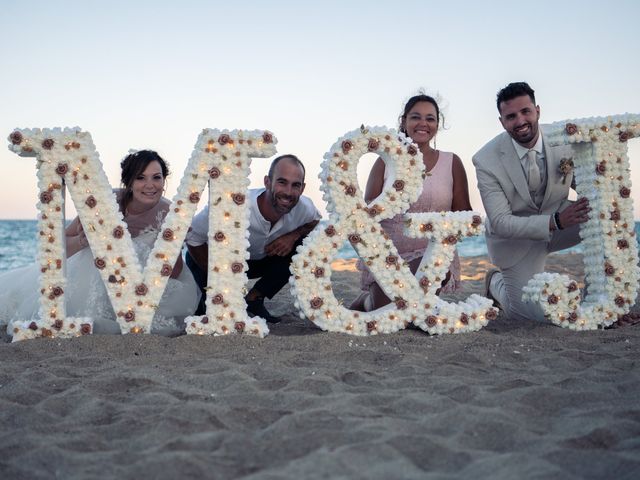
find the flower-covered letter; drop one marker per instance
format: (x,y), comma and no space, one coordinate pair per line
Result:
(68,157)
(608,237)
(351,220)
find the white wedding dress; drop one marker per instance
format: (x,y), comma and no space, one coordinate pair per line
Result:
(86,295)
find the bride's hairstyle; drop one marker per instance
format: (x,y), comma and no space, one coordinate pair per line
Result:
(133,165)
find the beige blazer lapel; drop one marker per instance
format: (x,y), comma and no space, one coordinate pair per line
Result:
(513,167)
(555,187)
(552,170)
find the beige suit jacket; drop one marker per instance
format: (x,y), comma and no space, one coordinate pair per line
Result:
(514,222)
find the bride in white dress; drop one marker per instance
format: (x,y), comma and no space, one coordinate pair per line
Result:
(144,208)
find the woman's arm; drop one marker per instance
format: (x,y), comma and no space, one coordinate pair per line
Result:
(75,237)
(460,186)
(375,181)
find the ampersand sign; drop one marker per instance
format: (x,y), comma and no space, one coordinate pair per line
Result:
(352,220)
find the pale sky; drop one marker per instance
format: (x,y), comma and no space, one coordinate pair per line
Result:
(153,74)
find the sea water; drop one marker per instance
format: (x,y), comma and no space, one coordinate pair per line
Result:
(18,244)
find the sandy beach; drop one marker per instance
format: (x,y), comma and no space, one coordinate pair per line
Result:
(514,400)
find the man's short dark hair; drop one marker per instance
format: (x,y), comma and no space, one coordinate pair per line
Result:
(513,90)
(288,156)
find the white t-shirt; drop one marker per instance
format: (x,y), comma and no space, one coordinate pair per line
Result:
(260,231)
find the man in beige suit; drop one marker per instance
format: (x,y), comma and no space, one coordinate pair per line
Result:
(525,197)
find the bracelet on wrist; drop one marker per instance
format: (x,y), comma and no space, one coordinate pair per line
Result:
(556,219)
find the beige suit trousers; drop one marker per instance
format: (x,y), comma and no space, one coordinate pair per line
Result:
(506,286)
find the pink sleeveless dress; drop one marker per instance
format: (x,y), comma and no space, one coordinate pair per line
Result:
(436,196)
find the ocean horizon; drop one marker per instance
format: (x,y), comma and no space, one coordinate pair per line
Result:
(18,244)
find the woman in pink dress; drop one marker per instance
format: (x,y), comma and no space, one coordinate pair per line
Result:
(444,188)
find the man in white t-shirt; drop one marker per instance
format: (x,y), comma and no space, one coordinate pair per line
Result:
(280,218)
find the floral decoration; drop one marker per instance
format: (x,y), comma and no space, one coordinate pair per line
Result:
(351,219)
(608,238)
(226,168)
(566,168)
(133,291)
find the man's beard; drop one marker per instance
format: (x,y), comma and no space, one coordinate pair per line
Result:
(533,133)
(282,209)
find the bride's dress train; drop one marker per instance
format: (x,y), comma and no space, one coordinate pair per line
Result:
(86,295)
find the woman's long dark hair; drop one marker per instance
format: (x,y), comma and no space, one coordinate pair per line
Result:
(132,166)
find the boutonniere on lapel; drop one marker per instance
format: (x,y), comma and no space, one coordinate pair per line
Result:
(566,168)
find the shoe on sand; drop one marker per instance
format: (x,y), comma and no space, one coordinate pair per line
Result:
(626,320)
(256,308)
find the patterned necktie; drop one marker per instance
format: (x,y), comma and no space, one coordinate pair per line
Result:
(534,171)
